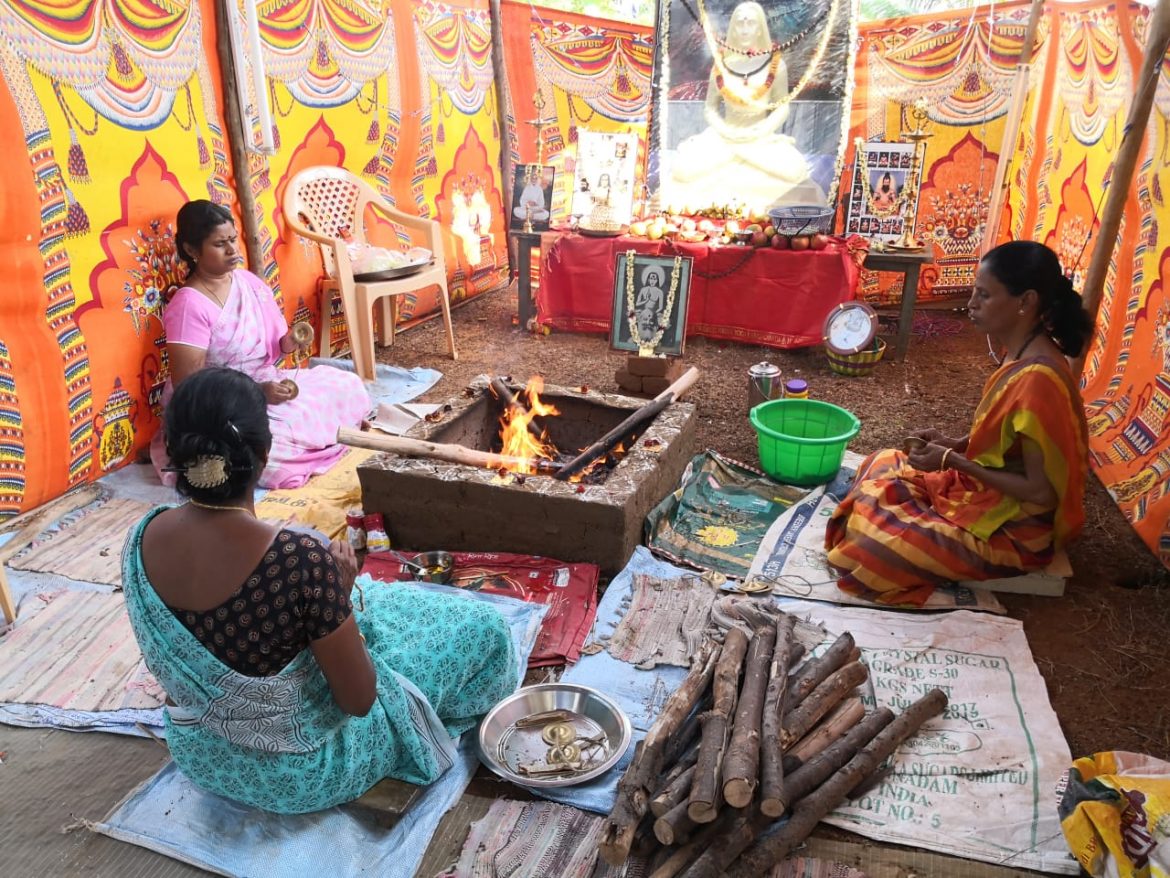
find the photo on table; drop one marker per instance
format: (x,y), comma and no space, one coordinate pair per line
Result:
(650,304)
(532,197)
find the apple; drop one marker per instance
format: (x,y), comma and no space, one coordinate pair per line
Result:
(799,242)
(819,242)
(638,229)
(770,231)
(759,239)
(656,231)
(780,242)
(754,227)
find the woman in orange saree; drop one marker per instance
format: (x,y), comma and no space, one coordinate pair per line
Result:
(998,501)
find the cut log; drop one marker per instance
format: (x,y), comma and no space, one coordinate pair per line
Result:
(509,400)
(690,851)
(728,845)
(635,788)
(675,826)
(799,721)
(407,447)
(685,762)
(809,675)
(677,790)
(845,716)
(688,735)
(741,768)
(706,785)
(778,843)
(813,773)
(642,416)
(771,753)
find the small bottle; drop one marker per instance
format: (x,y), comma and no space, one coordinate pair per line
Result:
(796,388)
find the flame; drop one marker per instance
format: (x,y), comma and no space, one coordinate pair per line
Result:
(518,439)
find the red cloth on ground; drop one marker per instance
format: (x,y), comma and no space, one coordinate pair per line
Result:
(569,591)
(778,298)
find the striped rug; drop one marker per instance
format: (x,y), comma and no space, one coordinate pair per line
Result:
(78,653)
(87,547)
(536,838)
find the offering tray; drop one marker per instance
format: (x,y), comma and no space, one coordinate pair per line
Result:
(553,735)
(589,232)
(392,273)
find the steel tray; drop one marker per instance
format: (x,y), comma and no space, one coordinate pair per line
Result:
(368,277)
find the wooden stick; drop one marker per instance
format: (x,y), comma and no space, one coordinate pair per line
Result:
(46,513)
(809,675)
(437,451)
(845,716)
(634,789)
(675,826)
(678,790)
(773,847)
(812,773)
(687,853)
(505,395)
(771,753)
(706,786)
(643,415)
(741,769)
(1132,138)
(800,720)
(681,741)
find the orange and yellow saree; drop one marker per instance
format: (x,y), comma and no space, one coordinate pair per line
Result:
(900,532)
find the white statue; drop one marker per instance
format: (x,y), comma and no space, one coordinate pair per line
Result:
(740,155)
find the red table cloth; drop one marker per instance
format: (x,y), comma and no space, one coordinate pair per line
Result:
(778,298)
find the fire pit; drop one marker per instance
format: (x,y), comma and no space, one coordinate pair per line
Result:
(433,504)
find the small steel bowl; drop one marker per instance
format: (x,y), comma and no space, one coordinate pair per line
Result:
(436,567)
(503,747)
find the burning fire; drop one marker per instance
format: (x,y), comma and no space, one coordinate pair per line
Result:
(519,437)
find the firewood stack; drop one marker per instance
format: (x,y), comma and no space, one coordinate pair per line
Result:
(743,742)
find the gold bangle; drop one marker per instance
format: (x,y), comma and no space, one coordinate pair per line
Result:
(943,463)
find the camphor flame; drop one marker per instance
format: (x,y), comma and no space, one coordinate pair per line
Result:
(518,440)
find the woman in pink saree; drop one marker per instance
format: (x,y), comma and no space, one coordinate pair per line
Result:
(227,316)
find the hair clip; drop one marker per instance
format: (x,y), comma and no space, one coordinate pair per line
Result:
(205,471)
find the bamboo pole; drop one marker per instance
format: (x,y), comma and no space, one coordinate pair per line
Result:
(1132,137)
(1012,127)
(238,138)
(437,451)
(503,99)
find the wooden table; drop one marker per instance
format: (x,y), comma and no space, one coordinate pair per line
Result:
(526,305)
(908,263)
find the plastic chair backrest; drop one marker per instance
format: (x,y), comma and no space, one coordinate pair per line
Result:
(330,201)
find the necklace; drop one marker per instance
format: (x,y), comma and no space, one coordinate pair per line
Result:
(214,508)
(1031,338)
(205,287)
(650,344)
(734,95)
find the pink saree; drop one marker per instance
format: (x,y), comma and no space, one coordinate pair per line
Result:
(245,335)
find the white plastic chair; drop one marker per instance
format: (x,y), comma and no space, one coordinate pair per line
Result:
(321,203)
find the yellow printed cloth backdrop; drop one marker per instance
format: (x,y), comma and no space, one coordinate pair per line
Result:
(1061,170)
(591,74)
(962,62)
(111,117)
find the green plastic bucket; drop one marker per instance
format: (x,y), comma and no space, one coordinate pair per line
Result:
(802,441)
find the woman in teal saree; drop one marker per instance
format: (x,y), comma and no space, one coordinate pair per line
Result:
(281,693)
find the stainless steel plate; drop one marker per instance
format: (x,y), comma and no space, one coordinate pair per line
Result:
(504,748)
(391,273)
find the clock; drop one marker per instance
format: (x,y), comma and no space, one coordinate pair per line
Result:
(850,328)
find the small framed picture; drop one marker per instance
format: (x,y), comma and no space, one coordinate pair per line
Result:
(532,197)
(650,298)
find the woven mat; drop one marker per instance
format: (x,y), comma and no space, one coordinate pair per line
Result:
(78,653)
(537,838)
(88,546)
(664,623)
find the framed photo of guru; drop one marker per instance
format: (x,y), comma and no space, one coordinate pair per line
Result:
(650,297)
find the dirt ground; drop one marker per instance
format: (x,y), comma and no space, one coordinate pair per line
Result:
(1097,647)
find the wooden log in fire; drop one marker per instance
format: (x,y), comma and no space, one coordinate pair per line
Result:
(505,395)
(439,451)
(770,849)
(640,417)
